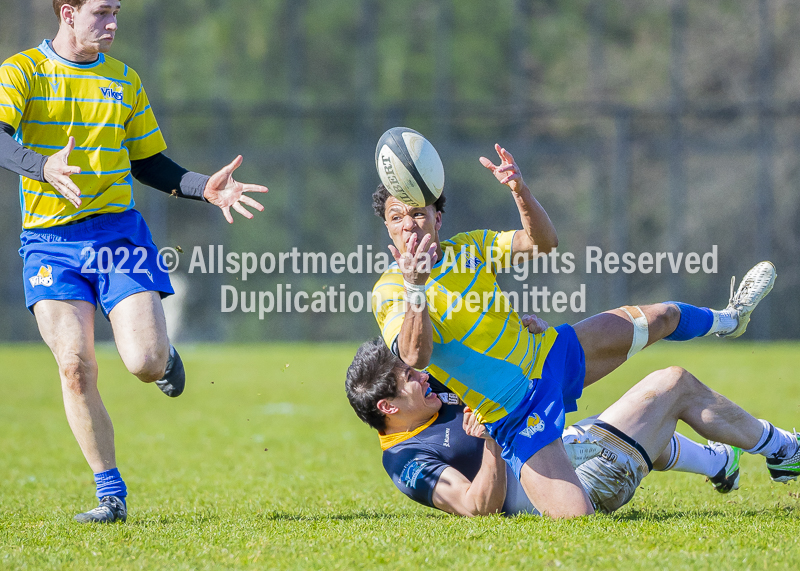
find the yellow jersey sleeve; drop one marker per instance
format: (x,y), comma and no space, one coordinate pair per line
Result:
(494,248)
(15,85)
(143,137)
(389,305)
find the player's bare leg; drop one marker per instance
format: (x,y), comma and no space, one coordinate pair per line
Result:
(610,338)
(607,338)
(551,484)
(68,329)
(649,413)
(140,332)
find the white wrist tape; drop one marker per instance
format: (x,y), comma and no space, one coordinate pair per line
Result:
(415,294)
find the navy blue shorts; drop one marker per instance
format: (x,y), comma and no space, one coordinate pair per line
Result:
(539,419)
(101,260)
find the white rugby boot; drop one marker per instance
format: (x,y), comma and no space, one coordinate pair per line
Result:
(754,287)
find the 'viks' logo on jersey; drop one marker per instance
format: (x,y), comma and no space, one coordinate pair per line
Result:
(44,277)
(535,424)
(113,91)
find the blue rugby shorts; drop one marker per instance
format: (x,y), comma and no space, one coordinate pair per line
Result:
(539,419)
(101,260)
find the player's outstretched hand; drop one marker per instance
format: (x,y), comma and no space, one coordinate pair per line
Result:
(472,426)
(534,323)
(416,263)
(225,192)
(57,172)
(507,172)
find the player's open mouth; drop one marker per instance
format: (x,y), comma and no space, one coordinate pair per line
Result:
(428,392)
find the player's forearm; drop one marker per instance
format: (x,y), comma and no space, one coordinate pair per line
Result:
(415,341)
(540,233)
(18,159)
(162,173)
(487,493)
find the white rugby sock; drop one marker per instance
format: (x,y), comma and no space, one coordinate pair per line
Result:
(774,442)
(725,321)
(688,456)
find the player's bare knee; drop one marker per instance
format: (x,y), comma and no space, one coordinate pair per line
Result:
(149,372)
(77,374)
(148,368)
(678,379)
(671,379)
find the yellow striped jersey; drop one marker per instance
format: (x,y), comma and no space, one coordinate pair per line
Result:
(481,350)
(102,104)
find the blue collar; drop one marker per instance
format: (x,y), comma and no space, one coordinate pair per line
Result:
(47,49)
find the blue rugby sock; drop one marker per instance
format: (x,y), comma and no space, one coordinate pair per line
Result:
(695,322)
(110,483)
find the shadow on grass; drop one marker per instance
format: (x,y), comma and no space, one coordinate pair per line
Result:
(352,516)
(650,515)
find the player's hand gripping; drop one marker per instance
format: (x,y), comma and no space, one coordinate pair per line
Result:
(417,261)
(534,323)
(225,192)
(472,426)
(57,172)
(507,172)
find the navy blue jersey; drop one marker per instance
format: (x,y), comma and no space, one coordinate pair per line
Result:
(416,462)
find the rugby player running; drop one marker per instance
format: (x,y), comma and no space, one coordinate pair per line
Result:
(76,124)
(432,455)
(510,378)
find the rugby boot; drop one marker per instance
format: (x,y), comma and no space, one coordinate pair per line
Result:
(787,469)
(111,509)
(756,284)
(174,380)
(727,479)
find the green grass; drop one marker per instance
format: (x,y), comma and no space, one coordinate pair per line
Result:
(262,465)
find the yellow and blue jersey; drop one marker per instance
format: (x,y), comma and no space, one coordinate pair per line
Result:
(102,104)
(481,349)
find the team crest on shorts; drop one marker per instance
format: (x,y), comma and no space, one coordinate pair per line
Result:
(44,277)
(535,424)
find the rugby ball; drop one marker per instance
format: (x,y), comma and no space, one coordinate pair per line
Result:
(409,167)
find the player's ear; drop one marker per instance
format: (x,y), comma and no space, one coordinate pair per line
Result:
(438,220)
(67,14)
(386,407)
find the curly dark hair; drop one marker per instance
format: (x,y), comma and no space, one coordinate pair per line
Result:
(381,195)
(371,378)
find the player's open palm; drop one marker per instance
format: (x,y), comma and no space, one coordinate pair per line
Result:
(226,192)
(57,172)
(507,172)
(417,261)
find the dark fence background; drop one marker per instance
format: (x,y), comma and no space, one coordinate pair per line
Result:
(641,127)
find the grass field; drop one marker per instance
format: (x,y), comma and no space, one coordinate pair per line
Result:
(261,464)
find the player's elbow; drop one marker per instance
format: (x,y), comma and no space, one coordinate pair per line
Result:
(487,509)
(417,358)
(549,242)
(485,505)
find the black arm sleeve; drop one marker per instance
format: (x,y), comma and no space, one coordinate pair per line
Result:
(18,159)
(160,172)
